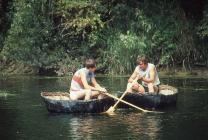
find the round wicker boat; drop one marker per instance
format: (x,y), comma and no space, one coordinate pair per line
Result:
(167,96)
(60,102)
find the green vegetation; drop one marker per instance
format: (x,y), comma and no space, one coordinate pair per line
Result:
(57,35)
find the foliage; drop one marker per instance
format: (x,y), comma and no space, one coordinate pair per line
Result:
(55,34)
(202,34)
(162,36)
(5,19)
(122,52)
(203,26)
(46,32)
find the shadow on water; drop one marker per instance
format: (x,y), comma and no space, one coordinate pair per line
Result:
(24,116)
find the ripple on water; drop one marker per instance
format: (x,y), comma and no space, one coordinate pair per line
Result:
(25,117)
(122,125)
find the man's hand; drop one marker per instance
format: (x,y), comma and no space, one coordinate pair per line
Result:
(139,77)
(130,80)
(102,89)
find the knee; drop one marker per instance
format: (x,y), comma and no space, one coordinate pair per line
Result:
(101,96)
(88,91)
(141,89)
(135,85)
(129,85)
(73,96)
(150,85)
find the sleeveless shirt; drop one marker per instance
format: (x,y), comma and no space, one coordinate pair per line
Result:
(146,73)
(76,82)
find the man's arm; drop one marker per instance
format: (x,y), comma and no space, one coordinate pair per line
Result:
(94,82)
(132,77)
(152,76)
(96,85)
(84,81)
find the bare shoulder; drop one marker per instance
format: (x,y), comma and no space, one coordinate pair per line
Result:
(82,73)
(136,68)
(152,66)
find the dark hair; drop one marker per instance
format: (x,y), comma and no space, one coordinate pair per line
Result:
(90,63)
(142,58)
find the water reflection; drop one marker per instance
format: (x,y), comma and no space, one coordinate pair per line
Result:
(24,116)
(143,125)
(122,125)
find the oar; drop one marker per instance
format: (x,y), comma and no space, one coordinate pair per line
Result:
(112,108)
(120,100)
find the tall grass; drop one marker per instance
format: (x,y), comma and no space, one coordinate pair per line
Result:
(122,51)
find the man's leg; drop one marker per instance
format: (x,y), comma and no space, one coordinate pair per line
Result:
(97,94)
(129,87)
(156,89)
(88,94)
(151,87)
(76,95)
(101,96)
(138,87)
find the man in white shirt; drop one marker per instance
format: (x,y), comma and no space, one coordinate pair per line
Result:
(147,73)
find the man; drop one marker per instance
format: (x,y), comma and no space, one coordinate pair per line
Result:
(84,84)
(147,73)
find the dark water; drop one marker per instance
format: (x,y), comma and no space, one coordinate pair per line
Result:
(23,115)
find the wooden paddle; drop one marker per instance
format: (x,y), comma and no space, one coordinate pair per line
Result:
(112,108)
(125,102)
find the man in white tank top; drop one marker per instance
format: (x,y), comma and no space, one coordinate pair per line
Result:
(147,73)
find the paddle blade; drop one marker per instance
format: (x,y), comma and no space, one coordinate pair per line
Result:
(110,110)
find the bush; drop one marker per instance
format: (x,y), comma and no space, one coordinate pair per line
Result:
(161,33)
(55,34)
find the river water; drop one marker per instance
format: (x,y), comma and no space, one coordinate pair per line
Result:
(23,115)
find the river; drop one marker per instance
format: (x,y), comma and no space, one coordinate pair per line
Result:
(23,115)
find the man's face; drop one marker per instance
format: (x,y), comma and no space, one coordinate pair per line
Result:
(142,65)
(92,69)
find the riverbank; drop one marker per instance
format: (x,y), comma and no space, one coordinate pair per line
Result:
(11,68)
(179,72)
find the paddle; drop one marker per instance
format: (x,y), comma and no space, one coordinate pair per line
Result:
(112,108)
(120,100)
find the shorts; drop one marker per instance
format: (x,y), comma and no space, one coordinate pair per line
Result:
(74,93)
(147,90)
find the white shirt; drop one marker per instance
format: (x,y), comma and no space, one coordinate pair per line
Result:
(146,73)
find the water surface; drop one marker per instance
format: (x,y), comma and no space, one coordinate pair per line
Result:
(23,115)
